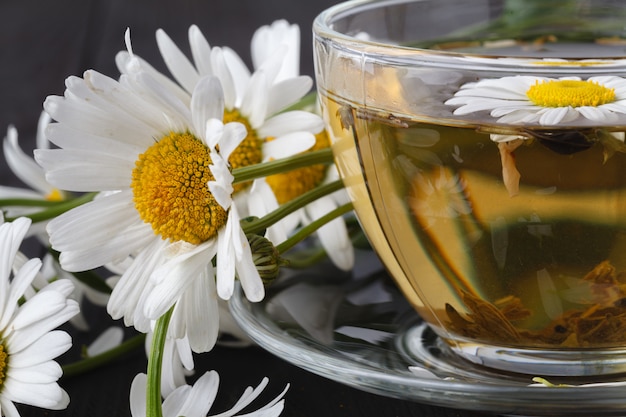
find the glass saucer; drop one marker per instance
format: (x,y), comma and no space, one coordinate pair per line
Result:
(360,331)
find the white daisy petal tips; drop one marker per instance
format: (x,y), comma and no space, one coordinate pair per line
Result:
(29,342)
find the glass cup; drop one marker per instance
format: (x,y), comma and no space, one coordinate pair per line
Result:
(482,144)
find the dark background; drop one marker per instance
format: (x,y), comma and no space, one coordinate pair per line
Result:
(42,43)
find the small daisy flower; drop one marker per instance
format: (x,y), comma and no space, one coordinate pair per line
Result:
(545,101)
(30,173)
(196,400)
(164,197)
(28,342)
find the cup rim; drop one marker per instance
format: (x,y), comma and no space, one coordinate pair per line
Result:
(322,29)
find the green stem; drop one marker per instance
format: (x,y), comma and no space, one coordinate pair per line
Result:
(153,389)
(306,261)
(307,230)
(251,172)
(28,202)
(257,225)
(58,208)
(90,363)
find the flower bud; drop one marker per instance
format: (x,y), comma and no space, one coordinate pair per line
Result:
(266,258)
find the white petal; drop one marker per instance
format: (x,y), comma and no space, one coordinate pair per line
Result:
(122,60)
(239,73)
(85,171)
(597,114)
(107,340)
(223,72)
(246,270)
(8,409)
(334,235)
(225,263)
(134,282)
(207,102)
(175,276)
(23,279)
(177,112)
(64,136)
(49,396)
(288,145)
(18,341)
(48,347)
(138,395)
(178,64)
(200,50)
(288,92)
(93,223)
(556,115)
(201,313)
(290,122)
(174,402)
(201,396)
(267,38)
(44,373)
(255,100)
(23,166)
(234,133)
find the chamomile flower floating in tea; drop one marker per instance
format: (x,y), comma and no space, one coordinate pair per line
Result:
(545,101)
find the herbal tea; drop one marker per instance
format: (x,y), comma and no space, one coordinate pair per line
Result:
(508,240)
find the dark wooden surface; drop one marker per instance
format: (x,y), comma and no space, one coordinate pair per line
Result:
(43,42)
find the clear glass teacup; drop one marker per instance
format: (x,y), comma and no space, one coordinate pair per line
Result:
(482,144)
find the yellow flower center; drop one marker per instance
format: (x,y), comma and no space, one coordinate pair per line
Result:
(55,195)
(249,151)
(170,189)
(3,364)
(289,185)
(569,93)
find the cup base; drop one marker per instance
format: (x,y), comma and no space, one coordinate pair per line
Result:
(420,343)
(542,362)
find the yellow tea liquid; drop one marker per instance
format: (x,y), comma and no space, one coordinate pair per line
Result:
(540,262)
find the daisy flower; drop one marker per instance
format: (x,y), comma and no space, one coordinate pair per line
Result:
(164,197)
(196,400)
(545,101)
(30,173)
(28,342)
